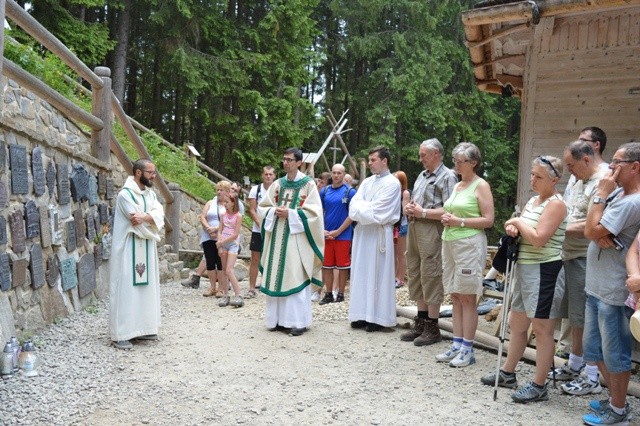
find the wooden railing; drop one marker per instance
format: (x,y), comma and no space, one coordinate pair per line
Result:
(104,102)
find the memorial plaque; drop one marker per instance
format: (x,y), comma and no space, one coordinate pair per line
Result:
(86,275)
(109,191)
(51,178)
(19,169)
(102,183)
(19,272)
(54,226)
(78,218)
(106,246)
(97,255)
(45,232)
(36,266)
(53,271)
(5,272)
(79,183)
(16,223)
(37,171)
(3,157)
(68,273)
(103,212)
(71,236)
(3,230)
(4,197)
(91,226)
(32,219)
(64,192)
(93,190)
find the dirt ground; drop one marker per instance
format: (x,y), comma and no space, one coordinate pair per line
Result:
(221,366)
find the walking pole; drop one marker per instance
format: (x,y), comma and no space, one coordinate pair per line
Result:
(504,320)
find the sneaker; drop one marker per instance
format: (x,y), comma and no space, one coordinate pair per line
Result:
(250,294)
(236,301)
(506,380)
(598,405)
(566,373)
(122,344)
(450,354)
(315,296)
(607,416)
(224,301)
(464,358)
(530,393)
(340,298)
(582,386)
(328,298)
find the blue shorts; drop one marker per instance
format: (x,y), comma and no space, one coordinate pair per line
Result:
(607,336)
(404,229)
(230,247)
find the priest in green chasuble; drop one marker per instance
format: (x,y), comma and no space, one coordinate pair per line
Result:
(293,246)
(134,284)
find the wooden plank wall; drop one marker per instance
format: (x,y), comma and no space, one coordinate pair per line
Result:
(587,74)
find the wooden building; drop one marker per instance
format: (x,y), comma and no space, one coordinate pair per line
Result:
(573,63)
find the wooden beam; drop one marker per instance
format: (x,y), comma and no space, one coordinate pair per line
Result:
(333,122)
(51,42)
(497,35)
(517,60)
(514,81)
(46,93)
(522,10)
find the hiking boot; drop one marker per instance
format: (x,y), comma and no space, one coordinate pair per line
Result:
(418,329)
(607,416)
(506,380)
(340,298)
(429,336)
(328,298)
(565,373)
(450,354)
(465,358)
(192,282)
(530,393)
(224,301)
(582,386)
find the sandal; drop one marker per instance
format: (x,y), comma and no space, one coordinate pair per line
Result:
(250,294)
(209,293)
(399,284)
(219,294)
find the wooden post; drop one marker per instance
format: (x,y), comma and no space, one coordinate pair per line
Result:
(102,109)
(172,216)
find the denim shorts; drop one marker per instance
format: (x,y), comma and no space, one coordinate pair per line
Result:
(607,336)
(403,230)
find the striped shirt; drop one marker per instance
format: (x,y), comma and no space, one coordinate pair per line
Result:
(552,249)
(431,190)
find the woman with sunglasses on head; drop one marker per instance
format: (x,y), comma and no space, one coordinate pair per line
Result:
(536,294)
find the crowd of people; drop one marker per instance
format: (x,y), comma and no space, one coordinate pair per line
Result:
(578,256)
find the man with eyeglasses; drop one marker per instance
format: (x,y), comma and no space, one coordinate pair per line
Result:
(134,284)
(292,255)
(424,242)
(612,223)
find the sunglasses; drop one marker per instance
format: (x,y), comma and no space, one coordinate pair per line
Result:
(547,162)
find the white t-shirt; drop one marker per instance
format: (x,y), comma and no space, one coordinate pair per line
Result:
(254,195)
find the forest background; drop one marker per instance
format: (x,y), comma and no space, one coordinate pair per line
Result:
(241,80)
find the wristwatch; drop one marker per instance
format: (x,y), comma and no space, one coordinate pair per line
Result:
(424,213)
(462,223)
(598,200)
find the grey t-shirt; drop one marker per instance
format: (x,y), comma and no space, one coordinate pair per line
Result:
(606,268)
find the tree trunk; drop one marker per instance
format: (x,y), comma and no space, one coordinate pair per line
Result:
(119,71)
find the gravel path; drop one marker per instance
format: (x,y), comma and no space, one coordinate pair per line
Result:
(221,366)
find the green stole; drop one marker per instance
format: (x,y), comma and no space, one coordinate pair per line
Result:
(139,251)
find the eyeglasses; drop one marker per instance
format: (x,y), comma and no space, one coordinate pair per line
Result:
(615,161)
(548,163)
(152,173)
(288,160)
(455,161)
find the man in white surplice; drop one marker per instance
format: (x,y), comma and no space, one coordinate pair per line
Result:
(134,307)
(293,246)
(375,208)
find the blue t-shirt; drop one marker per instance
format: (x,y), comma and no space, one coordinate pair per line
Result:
(335,202)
